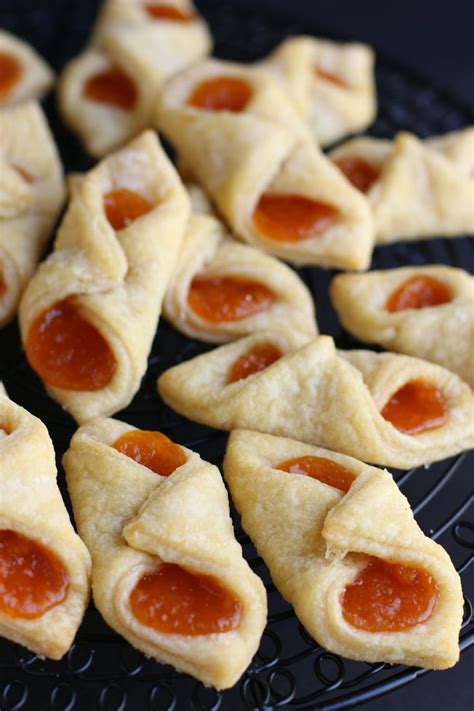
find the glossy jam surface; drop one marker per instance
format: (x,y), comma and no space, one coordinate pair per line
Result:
(322,73)
(291,218)
(325,470)
(358,171)
(163,11)
(417,407)
(3,286)
(227,298)
(388,597)
(67,351)
(418,292)
(172,600)
(152,449)
(10,74)
(32,579)
(221,94)
(255,360)
(122,207)
(112,87)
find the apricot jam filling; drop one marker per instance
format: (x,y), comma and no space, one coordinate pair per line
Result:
(292,218)
(123,206)
(389,597)
(3,286)
(163,11)
(416,407)
(228,298)
(322,73)
(419,292)
(10,74)
(151,449)
(358,171)
(221,94)
(255,360)
(322,469)
(172,600)
(67,351)
(113,87)
(32,579)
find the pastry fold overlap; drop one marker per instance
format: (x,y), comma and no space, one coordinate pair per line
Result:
(25,74)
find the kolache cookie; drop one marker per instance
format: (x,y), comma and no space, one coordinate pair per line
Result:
(44,566)
(31,195)
(167,572)
(89,315)
(383,408)
(343,548)
(242,138)
(331,83)
(426,312)
(417,189)
(24,75)
(107,94)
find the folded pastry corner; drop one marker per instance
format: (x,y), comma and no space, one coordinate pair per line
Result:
(167,572)
(383,408)
(44,566)
(89,315)
(343,548)
(24,74)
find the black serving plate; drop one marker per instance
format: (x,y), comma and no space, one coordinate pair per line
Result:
(102,671)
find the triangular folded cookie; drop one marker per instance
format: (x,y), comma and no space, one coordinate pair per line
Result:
(241,136)
(331,83)
(167,572)
(416,189)
(89,315)
(426,312)
(25,75)
(458,147)
(344,549)
(31,194)
(383,408)
(44,566)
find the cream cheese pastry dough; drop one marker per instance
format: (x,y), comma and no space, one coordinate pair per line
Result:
(138,524)
(107,94)
(322,543)
(243,140)
(24,74)
(343,400)
(31,194)
(44,566)
(417,189)
(427,312)
(89,315)
(331,83)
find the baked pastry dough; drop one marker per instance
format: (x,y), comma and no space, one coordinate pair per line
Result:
(458,147)
(107,94)
(222,290)
(31,195)
(331,83)
(259,164)
(316,540)
(439,325)
(328,398)
(103,287)
(44,578)
(133,519)
(416,190)
(24,74)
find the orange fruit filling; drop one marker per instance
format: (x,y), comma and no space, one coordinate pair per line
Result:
(254,361)
(227,298)
(112,86)
(163,11)
(221,94)
(10,74)
(358,171)
(291,218)
(122,207)
(416,407)
(325,470)
(418,292)
(151,449)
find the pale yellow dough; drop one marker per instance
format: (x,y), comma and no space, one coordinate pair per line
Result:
(443,334)
(331,109)
(28,205)
(31,505)
(424,189)
(147,50)
(315,540)
(324,397)
(117,279)
(131,519)
(36,76)
(266,148)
